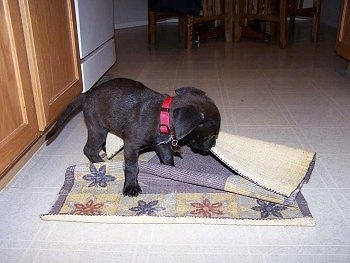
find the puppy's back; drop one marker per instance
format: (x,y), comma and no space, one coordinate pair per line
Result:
(120,101)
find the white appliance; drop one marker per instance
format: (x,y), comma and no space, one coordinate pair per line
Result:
(95,28)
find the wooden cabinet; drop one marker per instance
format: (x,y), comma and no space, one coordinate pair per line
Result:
(39,70)
(19,126)
(52,51)
(343,38)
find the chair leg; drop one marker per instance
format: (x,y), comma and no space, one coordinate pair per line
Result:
(283,23)
(152,27)
(316,21)
(188,31)
(182,24)
(237,23)
(314,30)
(291,23)
(228,20)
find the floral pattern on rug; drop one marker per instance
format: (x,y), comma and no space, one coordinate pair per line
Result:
(147,208)
(269,209)
(98,177)
(207,205)
(206,208)
(88,204)
(90,208)
(147,205)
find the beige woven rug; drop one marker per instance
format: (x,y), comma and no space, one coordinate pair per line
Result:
(244,181)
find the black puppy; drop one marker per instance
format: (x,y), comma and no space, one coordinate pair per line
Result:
(143,118)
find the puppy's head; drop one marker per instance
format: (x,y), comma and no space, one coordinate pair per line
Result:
(198,121)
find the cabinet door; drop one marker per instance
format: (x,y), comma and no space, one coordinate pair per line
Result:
(343,39)
(51,41)
(18,123)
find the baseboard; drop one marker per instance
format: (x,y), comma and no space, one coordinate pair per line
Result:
(141,23)
(131,24)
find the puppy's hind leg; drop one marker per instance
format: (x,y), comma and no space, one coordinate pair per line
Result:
(96,140)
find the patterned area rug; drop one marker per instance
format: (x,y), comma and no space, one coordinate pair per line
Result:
(201,189)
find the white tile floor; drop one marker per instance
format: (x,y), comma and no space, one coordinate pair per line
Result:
(298,96)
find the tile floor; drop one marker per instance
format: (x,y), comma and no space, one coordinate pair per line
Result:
(299,96)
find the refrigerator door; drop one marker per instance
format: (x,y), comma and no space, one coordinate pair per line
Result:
(95,28)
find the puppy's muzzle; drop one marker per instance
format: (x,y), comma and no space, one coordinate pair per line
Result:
(203,146)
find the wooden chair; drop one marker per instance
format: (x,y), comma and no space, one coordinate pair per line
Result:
(296,8)
(274,11)
(212,10)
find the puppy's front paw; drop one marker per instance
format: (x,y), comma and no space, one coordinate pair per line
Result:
(132,190)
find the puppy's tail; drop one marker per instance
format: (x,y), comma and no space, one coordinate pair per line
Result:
(71,109)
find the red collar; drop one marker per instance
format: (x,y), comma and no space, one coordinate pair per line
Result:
(164,126)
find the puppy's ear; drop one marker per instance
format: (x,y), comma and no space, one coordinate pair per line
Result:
(185,90)
(185,119)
